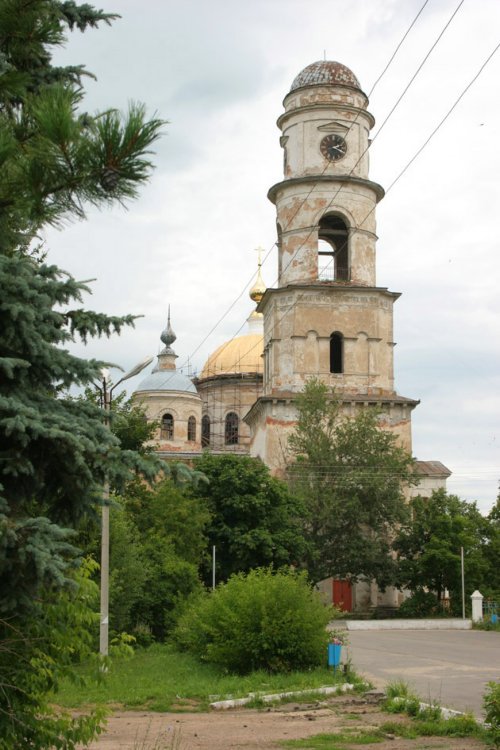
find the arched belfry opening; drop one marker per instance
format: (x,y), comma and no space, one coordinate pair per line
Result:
(333,249)
(336,353)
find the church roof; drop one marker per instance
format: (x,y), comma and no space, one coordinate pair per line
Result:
(164,376)
(432,469)
(240,355)
(166,380)
(325,72)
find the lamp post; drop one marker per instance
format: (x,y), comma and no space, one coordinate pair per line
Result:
(106,391)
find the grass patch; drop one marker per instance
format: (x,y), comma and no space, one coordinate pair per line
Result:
(161,679)
(420,722)
(486,625)
(460,726)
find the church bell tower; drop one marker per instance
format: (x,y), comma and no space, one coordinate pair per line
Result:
(327,318)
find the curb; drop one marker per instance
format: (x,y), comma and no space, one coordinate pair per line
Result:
(451,623)
(446,713)
(235,702)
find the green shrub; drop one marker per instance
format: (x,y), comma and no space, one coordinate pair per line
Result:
(419,604)
(491,703)
(261,620)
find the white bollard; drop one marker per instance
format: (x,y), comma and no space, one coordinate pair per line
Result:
(477,606)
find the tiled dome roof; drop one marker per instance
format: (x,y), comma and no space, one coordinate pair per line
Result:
(325,72)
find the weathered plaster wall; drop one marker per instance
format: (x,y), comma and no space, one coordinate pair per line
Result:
(298,323)
(181,405)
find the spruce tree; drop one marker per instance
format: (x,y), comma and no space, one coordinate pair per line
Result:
(55,451)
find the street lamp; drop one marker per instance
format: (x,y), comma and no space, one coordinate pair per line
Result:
(106,391)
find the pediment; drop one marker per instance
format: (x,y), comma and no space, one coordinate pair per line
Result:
(333,127)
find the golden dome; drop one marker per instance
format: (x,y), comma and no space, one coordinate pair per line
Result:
(240,355)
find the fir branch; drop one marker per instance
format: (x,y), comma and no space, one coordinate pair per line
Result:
(84,16)
(88,323)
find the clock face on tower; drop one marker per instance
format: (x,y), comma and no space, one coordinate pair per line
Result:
(333,147)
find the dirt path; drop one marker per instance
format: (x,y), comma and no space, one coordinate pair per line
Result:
(258,729)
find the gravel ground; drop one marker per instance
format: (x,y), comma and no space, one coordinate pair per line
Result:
(258,729)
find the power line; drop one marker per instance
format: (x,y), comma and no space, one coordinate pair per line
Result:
(412,79)
(438,126)
(443,120)
(397,49)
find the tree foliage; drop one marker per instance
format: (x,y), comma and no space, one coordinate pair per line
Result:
(54,160)
(56,451)
(255,520)
(350,474)
(35,654)
(428,545)
(491,584)
(157,545)
(130,425)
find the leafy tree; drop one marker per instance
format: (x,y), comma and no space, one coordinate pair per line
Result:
(157,544)
(350,474)
(255,520)
(428,545)
(37,652)
(128,422)
(55,451)
(491,583)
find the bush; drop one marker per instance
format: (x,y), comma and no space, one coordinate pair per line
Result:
(419,604)
(491,702)
(261,620)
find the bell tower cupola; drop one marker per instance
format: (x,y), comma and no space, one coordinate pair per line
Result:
(325,204)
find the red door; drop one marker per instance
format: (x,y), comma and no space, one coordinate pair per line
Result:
(342,594)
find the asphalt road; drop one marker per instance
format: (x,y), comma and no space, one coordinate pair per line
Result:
(449,666)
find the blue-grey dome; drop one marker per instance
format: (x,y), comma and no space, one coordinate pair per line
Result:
(166,380)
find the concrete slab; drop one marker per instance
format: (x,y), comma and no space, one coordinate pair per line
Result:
(451,667)
(450,623)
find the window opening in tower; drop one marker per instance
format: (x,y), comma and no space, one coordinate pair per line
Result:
(333,249)
(336,353)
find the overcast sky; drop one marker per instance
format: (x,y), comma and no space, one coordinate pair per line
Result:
(218,72)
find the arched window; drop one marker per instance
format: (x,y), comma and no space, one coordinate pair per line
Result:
(191,429)
(231,431)
(333,249)
(336,353)
(205,431)
(167,427)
